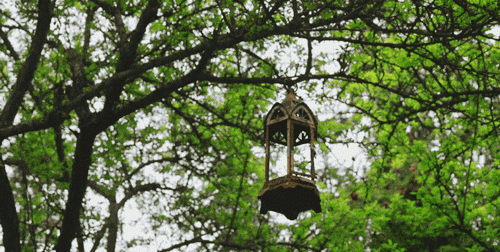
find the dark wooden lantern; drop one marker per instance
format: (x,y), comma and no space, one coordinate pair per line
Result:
(290,123)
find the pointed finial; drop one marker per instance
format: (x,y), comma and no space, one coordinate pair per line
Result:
(290,100)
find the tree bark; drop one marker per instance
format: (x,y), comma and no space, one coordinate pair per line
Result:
(80,238)
(8,214)
(77,187)
(27,71)
(112,227)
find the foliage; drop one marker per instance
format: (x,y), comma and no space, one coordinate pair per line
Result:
(156,107)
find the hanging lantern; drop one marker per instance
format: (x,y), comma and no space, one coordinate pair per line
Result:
(291,124)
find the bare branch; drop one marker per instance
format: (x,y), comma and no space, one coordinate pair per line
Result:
(182,244)
(99,236)
(27,71)
(144,188)
(128,51)
(9,46)
(100,190)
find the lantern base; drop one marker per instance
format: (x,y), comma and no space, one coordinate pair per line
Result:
(289,195)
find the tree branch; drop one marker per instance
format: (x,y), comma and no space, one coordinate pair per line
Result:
(99,236)
(128,51)
(99,189)
(77,188)
(8,213)
(146,187)
(182,244)
(27,71)
(9,46)
(140,167)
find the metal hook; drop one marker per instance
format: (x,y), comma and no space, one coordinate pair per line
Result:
(289,84)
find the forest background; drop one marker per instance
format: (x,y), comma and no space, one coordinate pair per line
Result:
(157,106)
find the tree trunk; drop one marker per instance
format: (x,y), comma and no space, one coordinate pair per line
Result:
(79,238)
(8,214)
(112,227)
(77,187)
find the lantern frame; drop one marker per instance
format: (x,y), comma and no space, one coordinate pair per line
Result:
(290,123)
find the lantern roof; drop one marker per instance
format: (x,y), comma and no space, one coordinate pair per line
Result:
(290,107)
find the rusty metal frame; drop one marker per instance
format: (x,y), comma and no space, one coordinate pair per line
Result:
(289,105)
(290,194)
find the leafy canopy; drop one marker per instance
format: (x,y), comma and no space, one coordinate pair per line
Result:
(156,107)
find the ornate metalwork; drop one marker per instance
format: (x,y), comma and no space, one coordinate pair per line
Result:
(290,123)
